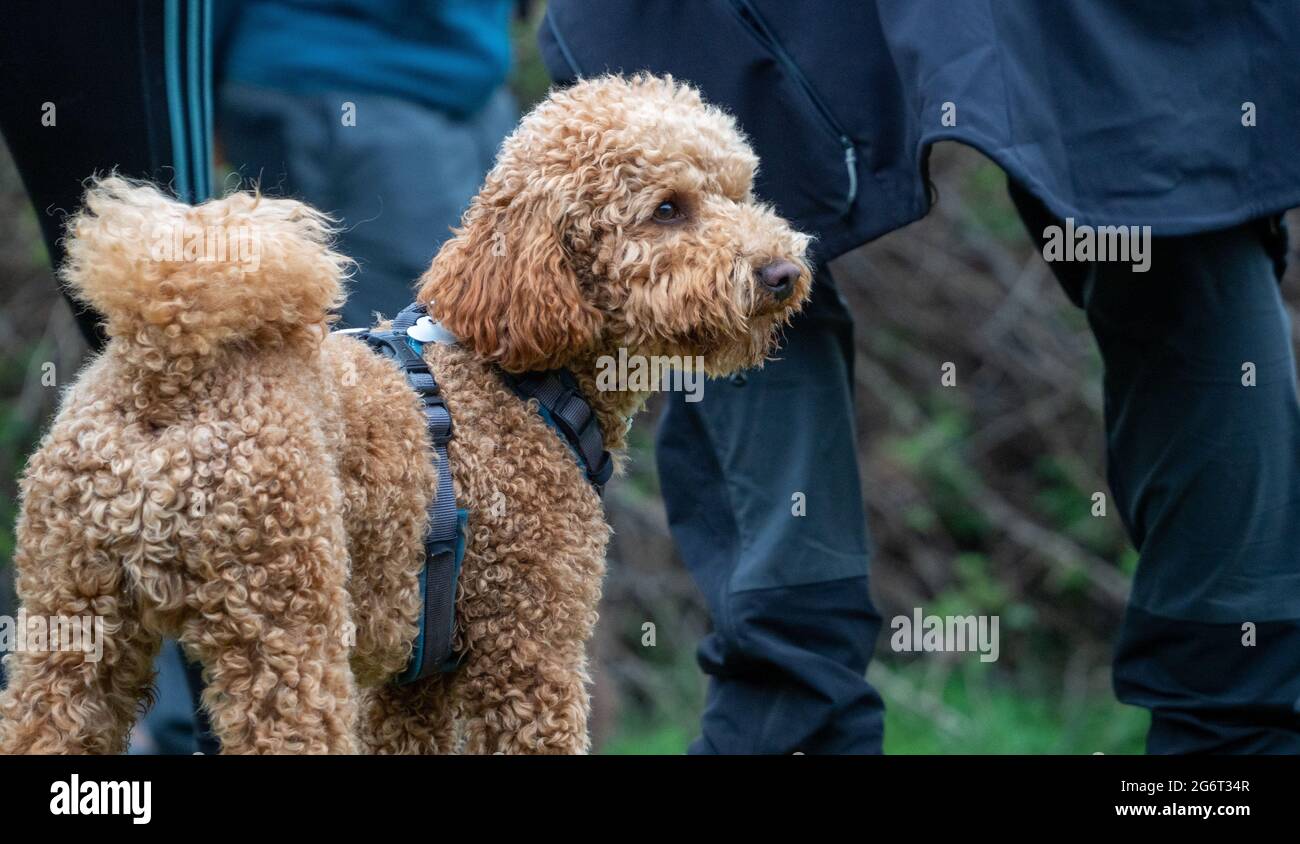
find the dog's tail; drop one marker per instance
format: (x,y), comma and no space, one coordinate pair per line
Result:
(185,281)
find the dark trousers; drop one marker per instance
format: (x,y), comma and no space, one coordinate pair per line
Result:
(1203,457)
(89,93)
(1204,470)
(129,91)
(761,485)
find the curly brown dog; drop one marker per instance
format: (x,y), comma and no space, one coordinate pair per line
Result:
(229,473)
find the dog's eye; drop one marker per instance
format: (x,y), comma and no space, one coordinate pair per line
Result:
(667,212)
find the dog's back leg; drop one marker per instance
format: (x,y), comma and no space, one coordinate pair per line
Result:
(274,685)
(82,661)
(268,611)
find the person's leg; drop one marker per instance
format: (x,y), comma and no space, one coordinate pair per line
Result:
(398,179)
(169,726)
(1203,452)
(761,484)
(88,93)
(129,91)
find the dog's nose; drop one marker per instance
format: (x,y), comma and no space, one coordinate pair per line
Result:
(778,279)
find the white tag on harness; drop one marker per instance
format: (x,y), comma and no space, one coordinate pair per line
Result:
(426,330)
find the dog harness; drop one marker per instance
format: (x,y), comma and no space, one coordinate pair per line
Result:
(559,402)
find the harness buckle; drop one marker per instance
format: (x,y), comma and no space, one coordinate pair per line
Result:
(440,438)
(437,419)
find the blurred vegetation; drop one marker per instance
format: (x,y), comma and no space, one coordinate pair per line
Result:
(979,496)
(528,77)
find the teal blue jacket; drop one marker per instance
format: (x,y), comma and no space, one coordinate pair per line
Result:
(449,55)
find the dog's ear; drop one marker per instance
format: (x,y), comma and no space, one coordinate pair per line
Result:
(506,286)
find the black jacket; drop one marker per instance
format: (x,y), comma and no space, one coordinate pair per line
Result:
(1109,111)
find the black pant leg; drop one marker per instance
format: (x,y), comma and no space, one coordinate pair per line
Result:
(761,484)
(87,91)
(1203,453)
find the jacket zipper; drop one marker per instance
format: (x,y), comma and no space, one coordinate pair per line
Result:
(750,17)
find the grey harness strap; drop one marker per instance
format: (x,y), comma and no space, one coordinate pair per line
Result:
(566,410)
(444,543)
(560,403)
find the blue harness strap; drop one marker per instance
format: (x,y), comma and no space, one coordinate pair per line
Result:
(560,403)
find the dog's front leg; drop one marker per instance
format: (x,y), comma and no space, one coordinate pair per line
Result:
(526,703)
(411,720)
(527,620)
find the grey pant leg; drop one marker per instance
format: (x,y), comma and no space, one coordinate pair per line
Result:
(398,180)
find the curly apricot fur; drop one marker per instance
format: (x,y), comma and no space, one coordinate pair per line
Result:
(229,474)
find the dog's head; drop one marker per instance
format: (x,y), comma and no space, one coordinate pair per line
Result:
(620,214)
